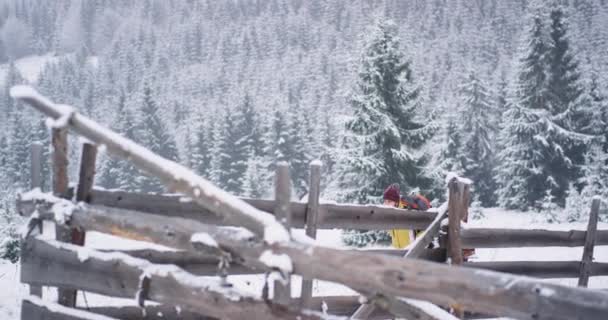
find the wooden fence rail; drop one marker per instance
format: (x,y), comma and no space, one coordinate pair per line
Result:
(476,290)
(330,215)
(514,238)
(541,269)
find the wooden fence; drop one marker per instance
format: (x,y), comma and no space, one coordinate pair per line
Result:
(215,233)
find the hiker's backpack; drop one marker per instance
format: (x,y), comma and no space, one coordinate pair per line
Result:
(416,202)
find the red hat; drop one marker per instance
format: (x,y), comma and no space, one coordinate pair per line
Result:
(392,193)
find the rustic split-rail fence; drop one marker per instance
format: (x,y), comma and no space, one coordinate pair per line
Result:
(214,234)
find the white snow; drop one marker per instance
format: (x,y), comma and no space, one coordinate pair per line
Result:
(62,211)
(279,261)
(431,309)
(452,175)
(204,238)
(79,314)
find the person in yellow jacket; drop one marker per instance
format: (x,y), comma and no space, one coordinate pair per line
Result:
(401,238)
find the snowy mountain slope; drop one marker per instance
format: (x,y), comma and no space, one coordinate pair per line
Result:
(29,67)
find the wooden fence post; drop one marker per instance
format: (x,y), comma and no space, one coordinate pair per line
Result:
(65,297)
(86,178)
(312,217)
(458,203)
(36,182)
(587,260)
(282,194)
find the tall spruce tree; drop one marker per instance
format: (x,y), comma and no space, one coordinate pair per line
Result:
(536,136)
(565,97)
(477,143)
(387,132)
(154,135)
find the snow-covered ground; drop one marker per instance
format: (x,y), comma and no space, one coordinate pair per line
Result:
(12,290)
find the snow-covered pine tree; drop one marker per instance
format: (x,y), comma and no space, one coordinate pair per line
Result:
(301,157)
(521,175)
(12,77)
(253,183)
(154,135)
(277,143)
(534,159)
(451,157)
(18,157)
(565,99)
(236,148)
(9,232)
(477,137)
(116,173)
(201,151)
(386,133)
(387,130)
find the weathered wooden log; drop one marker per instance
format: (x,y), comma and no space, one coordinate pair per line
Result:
(282,195)
(346,216)
(60,187)
(541,269)
(69,266)
(36,182)
(34,308)
(587,259)
(149,312)
(329,216)
(312,219)
(458,204)
(457,208)
(193,262)
(334,305)
(207,265)
(477,290)
(36,165)
(510,238)
(362,217)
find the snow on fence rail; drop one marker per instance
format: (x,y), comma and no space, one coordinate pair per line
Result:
(386,280)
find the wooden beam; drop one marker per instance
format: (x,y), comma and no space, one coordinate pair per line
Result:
(335,305)
(481,291)
(541,269)
(587,260)
(35,308)
(458,209)
(36,182)
(148,312)
(70,266)
(312,219)
(282,195)
(330,215)
(60,162)
(515,238)
(36,165)
(363,217)
(60,187)
(351,216)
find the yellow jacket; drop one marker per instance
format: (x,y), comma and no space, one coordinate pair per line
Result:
(401,238)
